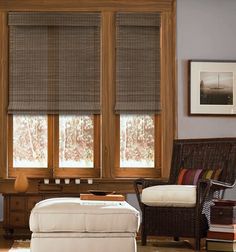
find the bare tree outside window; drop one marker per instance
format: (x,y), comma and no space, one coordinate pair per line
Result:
(76,141)
(137,141)
(30,141)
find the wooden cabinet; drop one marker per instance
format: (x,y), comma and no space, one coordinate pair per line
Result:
(17,208)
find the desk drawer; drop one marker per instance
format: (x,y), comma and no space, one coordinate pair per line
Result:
(17,203)
(17,219)
(32,201)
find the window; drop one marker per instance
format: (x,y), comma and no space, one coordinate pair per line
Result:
(137,147)
(45,145)
(77,146)
(29,145)
(138,94)
(76,141)
(30,141)
(54,75)
(83,109)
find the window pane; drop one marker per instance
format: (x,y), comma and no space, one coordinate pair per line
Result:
(76,134)
(137,141)
(30,141)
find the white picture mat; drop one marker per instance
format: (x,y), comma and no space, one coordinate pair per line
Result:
(196,69)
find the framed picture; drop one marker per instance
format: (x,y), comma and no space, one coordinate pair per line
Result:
(212,87)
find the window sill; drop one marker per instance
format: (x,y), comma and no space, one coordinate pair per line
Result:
(36,185)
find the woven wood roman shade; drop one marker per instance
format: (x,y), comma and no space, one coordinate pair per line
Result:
(54,63)
(138,63)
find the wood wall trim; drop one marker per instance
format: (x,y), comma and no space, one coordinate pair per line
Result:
(108,92)
(83,5)
(118,185)
(175,70)
(168,92)
(3,92)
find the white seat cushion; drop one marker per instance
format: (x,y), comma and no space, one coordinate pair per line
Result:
(170,195)
(75,215)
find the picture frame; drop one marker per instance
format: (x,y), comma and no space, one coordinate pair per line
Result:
(212,87)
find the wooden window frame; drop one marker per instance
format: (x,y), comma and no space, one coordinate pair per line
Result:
(53,169)
(108,8)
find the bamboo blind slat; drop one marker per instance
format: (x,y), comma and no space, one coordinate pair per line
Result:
(54,68)
(138,63)
(138,19)
(53,19)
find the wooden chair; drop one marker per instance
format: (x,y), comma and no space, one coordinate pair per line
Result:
(192,221)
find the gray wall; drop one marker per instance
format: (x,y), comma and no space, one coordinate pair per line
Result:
(206,29)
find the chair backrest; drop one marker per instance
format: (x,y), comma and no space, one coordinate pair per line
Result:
(213,153)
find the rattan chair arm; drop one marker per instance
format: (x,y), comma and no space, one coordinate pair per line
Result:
(215,184)
(205,185)
(219,185)
(137,184)
(203,189)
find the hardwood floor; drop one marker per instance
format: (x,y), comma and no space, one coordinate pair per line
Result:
(4,244)
(168,246)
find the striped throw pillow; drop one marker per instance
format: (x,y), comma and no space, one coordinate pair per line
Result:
(191,176)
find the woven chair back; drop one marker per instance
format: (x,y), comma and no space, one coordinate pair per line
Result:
(205,154)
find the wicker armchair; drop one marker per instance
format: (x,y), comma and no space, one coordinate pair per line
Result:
(192,221)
